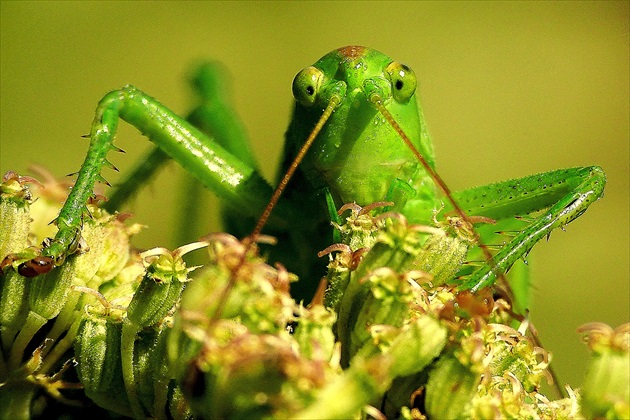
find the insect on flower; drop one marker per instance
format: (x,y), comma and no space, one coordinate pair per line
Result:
(357,141)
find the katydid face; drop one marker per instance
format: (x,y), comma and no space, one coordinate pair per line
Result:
(358,155)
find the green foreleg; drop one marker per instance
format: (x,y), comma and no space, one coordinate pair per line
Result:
(565,194)
(228,177)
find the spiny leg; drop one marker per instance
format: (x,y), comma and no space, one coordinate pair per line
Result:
(563,195)
(214,116)
(227,176)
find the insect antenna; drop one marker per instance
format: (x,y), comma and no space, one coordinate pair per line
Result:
(335,100)
(377,101)
(251,240)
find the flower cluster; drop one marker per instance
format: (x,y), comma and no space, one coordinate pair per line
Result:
(141,334)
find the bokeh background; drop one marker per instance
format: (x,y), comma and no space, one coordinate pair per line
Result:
(509,89)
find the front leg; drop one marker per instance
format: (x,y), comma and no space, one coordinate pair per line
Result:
(227,176)
(562,195)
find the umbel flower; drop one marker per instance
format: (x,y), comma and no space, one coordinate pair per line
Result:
(143,334)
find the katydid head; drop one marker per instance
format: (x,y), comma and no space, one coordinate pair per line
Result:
(375,141)
(357,154)
(345,105)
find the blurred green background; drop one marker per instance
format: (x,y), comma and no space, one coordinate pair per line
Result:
(509,89)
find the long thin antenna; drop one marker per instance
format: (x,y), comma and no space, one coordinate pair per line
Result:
(378,103)
(332,105)
(250,241)
(375,99)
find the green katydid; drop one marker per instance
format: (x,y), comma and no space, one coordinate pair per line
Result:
(358,108)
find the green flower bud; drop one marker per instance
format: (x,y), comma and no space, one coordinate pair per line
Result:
(159,291)
(232,352)
(314,332)
(258,293)
(346,395)
(409,350)
(450,388)
(153,376)
(100,355)
(360,227)
(514,353)
(251,376)
(119,290)
(15,200)
(161,286)
(416,345)
(97,351)
(442,257)
(606,389)
(13,303)
(385,300)
(108,242)
(258,299)
(49,292)
(338,275)
(376,293)
(148,359)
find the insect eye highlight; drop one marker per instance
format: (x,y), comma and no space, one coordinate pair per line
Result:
(306,85)
(403,81)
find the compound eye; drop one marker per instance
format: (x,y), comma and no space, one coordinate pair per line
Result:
(306,85)
(403,81)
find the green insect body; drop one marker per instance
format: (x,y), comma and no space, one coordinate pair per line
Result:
(343,160)
(356,157)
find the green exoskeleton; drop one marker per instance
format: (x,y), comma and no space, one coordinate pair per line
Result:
(360,103)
